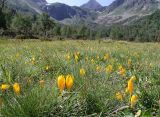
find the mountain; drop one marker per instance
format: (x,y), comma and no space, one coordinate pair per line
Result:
(61,11)
(40,1)
(91,5)
(29,6)
(69,14)
(119,12)
(114,5)
(126,11)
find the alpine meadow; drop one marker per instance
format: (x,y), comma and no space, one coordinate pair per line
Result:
(92,60)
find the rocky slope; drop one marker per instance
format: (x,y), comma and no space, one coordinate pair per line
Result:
(61,11)
(31,6)
(126,11)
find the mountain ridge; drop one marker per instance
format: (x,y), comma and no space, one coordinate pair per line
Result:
(91,5)
(121,10)
(118,12)
(31,6)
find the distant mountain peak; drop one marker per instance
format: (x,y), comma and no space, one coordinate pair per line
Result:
(40,2)
(92,5)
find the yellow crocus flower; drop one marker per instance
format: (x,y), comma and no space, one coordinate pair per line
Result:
(69,82)
(33,60)
(47,67)
(130,86)
(133,78)
(92,60)
(68,57)
(119,96)
(109,69)
(122,71)
(134,100)
(16,88)
(4,87)
(61,83)
(76,57)
(82,72)
(129,62)
(106,56)
(98,68)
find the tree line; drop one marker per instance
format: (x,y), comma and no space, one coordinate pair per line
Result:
(15,24)
(146,29)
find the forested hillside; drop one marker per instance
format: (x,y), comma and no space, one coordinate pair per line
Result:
(144,29)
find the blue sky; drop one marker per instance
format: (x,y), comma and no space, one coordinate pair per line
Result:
(80,2)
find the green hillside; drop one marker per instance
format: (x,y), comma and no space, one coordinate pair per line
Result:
(24,6)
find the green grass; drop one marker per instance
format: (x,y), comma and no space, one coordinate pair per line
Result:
(93,94)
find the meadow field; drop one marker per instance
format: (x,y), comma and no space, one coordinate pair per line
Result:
(79,78)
